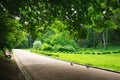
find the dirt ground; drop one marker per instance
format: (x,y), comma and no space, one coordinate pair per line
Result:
(9,70)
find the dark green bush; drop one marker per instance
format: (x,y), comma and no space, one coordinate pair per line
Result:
(93,52)
(67,48)
(87,53)
(99,53)
(115,51)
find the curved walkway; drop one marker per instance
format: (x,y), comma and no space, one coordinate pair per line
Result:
(38,67)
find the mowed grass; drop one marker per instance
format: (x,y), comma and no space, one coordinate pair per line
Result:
(108,61)
(111,49)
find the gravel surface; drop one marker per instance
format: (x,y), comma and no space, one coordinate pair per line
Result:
(39,67)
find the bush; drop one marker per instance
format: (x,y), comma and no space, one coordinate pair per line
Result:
(69,48)
(37,45)
(47,47)
(62,41)
(64,48)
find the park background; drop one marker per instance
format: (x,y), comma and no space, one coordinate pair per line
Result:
(83,32)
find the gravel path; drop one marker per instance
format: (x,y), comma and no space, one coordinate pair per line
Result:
(38,67)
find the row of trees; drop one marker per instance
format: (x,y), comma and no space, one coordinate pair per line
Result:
(34,17)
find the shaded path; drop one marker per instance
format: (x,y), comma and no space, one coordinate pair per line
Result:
(44,68)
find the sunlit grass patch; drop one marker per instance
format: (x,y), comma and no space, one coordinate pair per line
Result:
(110,61)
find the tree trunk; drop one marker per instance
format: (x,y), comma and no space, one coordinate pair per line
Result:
(106,38)
(105,34)
(95,40)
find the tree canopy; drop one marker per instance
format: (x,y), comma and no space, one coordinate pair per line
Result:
(35,16)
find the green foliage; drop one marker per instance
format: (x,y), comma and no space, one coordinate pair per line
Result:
(10,32)
(116,17)
(114,36)
(45,46)
(58,26)
(58,39)
(1,53)
(38,15)
(60,42)
(63,39)
(66,48)
(37,45)
(24,43)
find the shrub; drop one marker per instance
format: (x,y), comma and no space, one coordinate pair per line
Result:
(69,48)
(58,48)
(37,45)
(65,48)
(60,42)
(115,52)
(63,39)
(47,47)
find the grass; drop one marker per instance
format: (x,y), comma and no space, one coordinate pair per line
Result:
(111,49)
(109,60)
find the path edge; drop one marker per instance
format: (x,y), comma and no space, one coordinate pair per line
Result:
(22,68)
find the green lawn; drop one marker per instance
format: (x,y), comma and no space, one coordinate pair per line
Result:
(111,49)
(109,60)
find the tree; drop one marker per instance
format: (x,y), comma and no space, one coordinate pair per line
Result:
(80,13)
(116,17)
(58,37)
(10,33)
